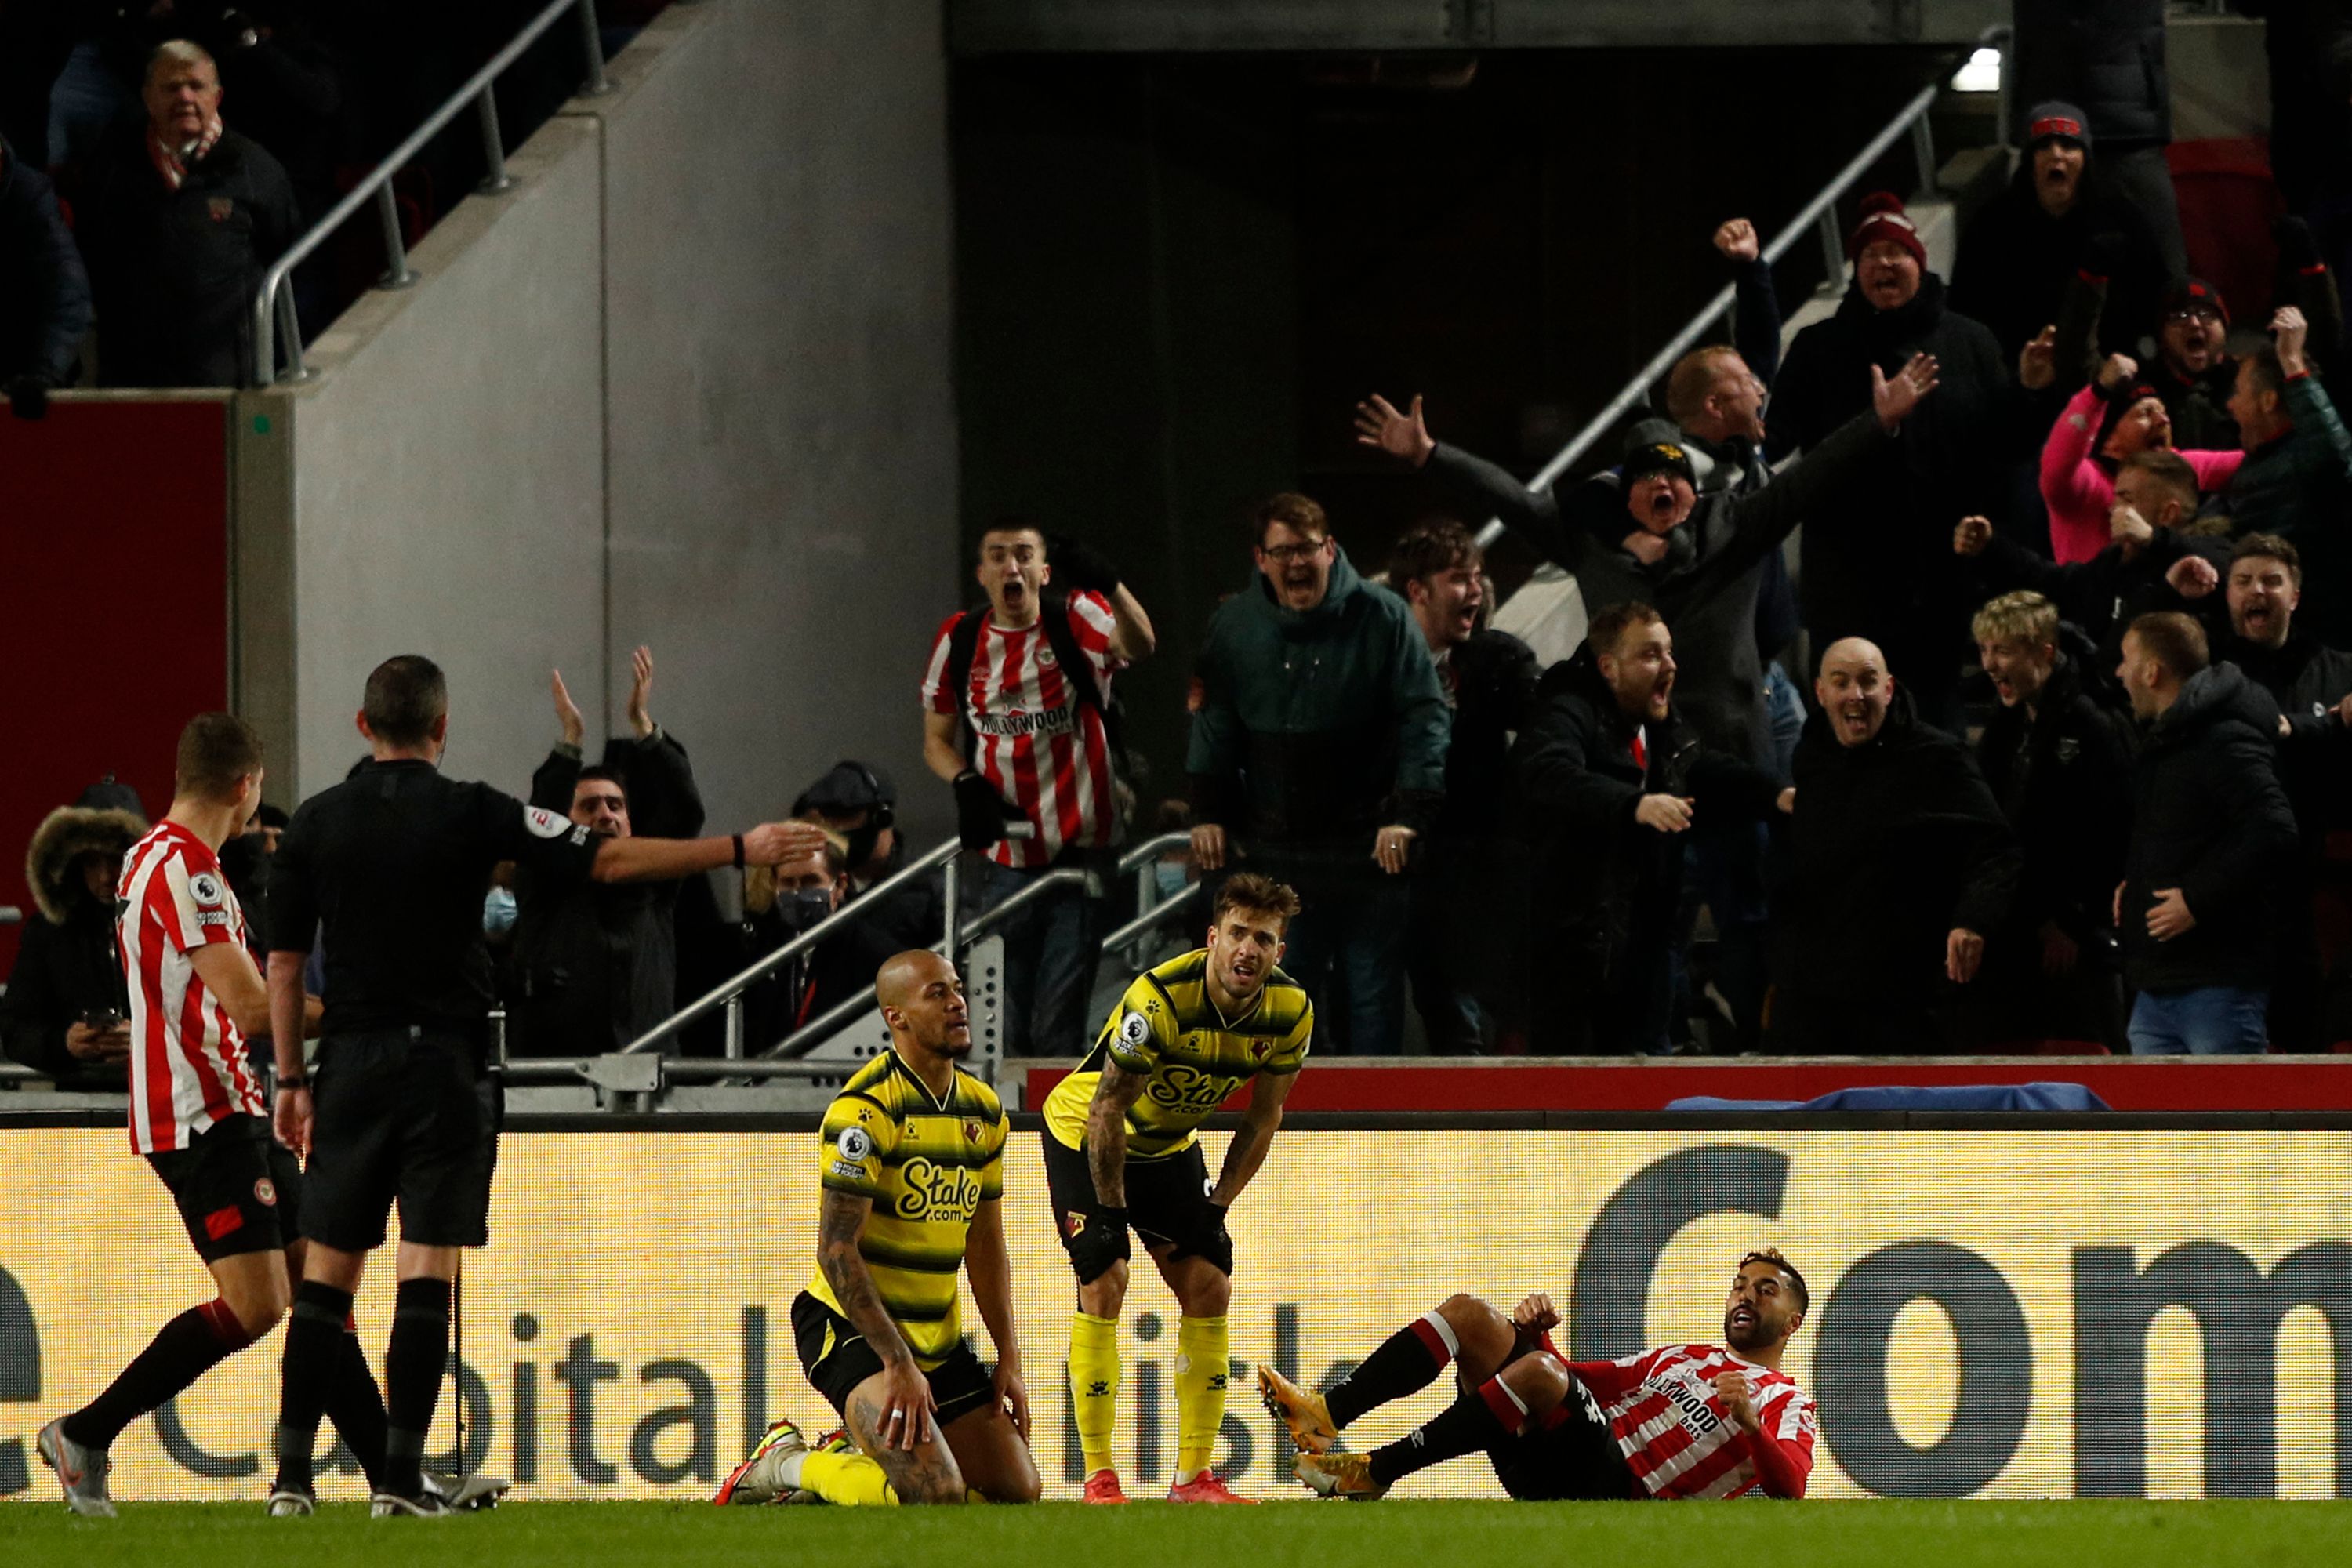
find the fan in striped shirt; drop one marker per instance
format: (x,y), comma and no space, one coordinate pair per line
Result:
(1678,1421)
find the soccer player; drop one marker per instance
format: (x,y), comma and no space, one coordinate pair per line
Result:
(391,863)
(1680,1421)
(911,1159)
(1120,1150)
(196,1112)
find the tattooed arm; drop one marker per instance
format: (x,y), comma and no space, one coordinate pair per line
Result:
(906,1416)
(1107,1132)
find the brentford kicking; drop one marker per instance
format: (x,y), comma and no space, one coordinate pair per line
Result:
(1121,1149)
(1680,1421)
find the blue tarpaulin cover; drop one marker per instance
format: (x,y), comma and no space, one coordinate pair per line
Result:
(2063,1097)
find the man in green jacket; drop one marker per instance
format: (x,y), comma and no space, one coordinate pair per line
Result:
(1318,742)
(2296,481)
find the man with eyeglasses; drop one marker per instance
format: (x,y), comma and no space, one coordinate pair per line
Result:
(1317,756)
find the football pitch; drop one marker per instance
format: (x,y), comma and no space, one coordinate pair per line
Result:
(1889,1534)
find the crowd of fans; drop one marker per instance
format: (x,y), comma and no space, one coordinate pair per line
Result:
(2073,580)
(157,158)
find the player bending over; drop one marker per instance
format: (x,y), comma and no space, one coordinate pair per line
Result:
(1680,1421)
(1120,1150)
(912,1163)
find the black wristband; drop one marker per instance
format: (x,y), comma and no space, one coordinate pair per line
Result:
(739,851)
(299,1081)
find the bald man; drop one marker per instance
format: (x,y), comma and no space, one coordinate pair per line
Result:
(1900,860)
(911,1159)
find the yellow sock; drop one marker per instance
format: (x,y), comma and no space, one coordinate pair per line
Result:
(849,1481)
(1201,1367)
(1094,1385)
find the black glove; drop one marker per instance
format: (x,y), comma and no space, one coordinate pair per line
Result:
(981,812)
(1099,1241)
(2298,247)
(29,397)
(2106,253)
(1079,565)
(1217,1246)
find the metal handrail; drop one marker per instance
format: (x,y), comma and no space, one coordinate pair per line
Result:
(274,299)
(1910,120)
(727,990)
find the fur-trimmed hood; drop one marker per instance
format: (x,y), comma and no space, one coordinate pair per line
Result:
(66,834)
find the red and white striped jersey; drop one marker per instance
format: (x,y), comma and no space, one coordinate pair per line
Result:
(187,1059)
(1679,1440)
(1045,752)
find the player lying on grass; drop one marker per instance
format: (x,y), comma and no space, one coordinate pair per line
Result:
(912,1163)
(1680,1421)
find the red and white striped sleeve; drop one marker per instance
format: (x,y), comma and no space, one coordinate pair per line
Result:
(937,698)
(1783,1448)
(1610,1380)
(190,907)
(1093,624)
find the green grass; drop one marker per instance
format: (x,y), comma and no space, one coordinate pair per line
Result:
(1070,1535)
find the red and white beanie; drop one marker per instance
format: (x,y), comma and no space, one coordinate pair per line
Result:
(1883,220)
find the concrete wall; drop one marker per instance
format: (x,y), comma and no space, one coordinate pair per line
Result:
(782,417)
(687,384)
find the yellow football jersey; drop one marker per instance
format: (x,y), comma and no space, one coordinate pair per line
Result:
(1166,1029)
(926,1164)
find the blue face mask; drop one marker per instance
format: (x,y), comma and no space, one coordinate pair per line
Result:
(1168,877)
(498,912)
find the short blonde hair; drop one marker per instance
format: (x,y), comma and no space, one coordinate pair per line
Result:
(2023,617)
(1693,378)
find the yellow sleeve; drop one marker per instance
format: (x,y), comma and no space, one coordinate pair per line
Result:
(1291,1054)
(1142,1028)
(857,1133)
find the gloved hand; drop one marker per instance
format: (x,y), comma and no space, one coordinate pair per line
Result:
(981,812)
(2106,253)
(1078,566)
(1217,1247)
(2298,247)
(29,397)
(1100,1242)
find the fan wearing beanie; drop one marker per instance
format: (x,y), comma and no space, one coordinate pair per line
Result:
(1875,559)
(2058,217)
(2121,412)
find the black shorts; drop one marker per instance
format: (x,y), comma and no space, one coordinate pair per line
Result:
(837,1358)
(1167,1200)
(237,1188)
(1576,1460)
(403,1116)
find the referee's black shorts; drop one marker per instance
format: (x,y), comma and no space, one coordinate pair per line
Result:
(404,1116)
(1167,1200)
(1574,1459)
(237,1188)
(836,1358)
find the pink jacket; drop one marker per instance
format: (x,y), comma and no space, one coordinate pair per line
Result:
(2080,493)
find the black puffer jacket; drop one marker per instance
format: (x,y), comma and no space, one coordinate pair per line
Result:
(1611,884)
(2210,818)
(1876,559)
(1491,678)
(1893,844)
(65,963)
(2016,263)
(2306,680)
(44,293)
(2059,775)
(2105,56)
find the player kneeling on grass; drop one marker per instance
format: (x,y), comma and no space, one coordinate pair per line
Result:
(1680,1421)
(1120,1131)
(912,1164)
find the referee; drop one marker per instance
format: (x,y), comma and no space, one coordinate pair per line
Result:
(390,864)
